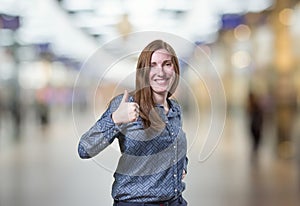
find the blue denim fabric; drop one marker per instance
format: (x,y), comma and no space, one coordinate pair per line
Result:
(152,162)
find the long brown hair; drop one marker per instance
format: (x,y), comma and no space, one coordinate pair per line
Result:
(143,93)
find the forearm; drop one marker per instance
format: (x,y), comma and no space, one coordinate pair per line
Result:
(98,137)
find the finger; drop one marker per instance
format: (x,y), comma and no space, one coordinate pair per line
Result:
(134,113)
(133,106)
(136,105)
(136,116)
(125,96)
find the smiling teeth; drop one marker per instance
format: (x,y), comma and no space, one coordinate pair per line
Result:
(161,80)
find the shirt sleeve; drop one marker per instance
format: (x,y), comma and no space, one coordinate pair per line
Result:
(101,134)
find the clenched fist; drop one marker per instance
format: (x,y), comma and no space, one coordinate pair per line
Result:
(126,112)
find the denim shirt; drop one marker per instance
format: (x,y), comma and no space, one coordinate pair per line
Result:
(152,162)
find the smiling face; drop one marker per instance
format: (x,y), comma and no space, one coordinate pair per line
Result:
(162,73)
(157,77)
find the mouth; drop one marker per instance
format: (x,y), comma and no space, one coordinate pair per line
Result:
(161,81)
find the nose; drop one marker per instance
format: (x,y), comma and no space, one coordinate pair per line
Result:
(160,70)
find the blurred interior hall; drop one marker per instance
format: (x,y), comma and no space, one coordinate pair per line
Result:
(61,62)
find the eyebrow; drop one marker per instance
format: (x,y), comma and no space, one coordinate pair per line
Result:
(164,62)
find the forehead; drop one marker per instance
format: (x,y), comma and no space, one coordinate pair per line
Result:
(161,55)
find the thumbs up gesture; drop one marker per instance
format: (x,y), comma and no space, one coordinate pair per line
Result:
(126,112)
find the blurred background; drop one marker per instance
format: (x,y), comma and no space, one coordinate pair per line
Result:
(49,96)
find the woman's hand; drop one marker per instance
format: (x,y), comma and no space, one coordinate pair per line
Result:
(126,112)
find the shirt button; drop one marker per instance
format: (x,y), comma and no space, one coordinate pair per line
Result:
(174,146)
(175,175)
(174,160)
(175,190)
(172,133)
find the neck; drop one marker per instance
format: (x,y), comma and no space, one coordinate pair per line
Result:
(161,99)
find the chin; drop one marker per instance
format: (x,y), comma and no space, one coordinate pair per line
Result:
(160,90)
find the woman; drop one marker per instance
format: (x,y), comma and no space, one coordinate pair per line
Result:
(147,124)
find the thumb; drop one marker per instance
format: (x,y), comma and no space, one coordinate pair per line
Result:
(125,96)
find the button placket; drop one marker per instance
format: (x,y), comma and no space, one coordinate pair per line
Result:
(175,165)
(170,129)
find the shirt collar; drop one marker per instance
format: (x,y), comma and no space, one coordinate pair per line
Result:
(174,108)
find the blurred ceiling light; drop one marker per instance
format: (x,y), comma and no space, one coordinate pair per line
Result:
(36,25)
(88,20)
(144,14)
(142,7)
(258,5)
(201,23)
(237,6)
(229,6)
(33,34)
(242,32)
(285,16)
(77,5)
(241,59)
(109,8)
(177,5)
(48,23)
(9,7)
(44,20)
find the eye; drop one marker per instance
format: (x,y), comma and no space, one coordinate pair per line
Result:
(153,65)
(168,64)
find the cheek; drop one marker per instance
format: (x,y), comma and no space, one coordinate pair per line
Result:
(151,74)
(171,73)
